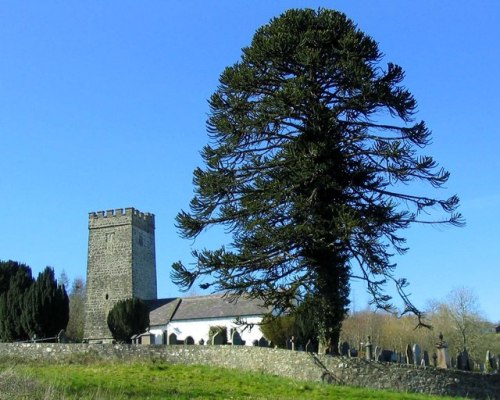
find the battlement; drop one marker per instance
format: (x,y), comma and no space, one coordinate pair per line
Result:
(121,212)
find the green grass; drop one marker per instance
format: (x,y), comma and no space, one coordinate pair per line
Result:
(148,380)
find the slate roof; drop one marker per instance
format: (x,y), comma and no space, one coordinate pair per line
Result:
(202,307)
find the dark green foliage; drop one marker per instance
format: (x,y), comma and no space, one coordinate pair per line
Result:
(304,324)
(46,306)
(15,279)
(279,329)
(312,143)
(127,318)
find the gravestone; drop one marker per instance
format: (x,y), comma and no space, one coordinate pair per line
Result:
(189,341)
(425,358)
(201,342)
(463,361)
(443,359)
(344,349)
(416,355)
(394,357)
(61,337)
(309,346)
(172,338)
(493,362)
(490,364)
(353,352)
(386,356)
(434,360)
(236,339)
(377,352)
(409,355)
(263,342)
(218,339)
(369,349)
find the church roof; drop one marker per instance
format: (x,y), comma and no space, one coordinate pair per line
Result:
(162,310)
(202,307)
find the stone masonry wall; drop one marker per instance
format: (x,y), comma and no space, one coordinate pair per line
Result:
(292,364)
(121,264)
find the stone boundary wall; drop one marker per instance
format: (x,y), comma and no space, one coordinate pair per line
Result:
(286,363)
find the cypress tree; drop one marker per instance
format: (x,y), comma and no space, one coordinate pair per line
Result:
(15,280)
(46,306)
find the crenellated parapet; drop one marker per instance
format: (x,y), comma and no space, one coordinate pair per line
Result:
(119,216)
(120,212)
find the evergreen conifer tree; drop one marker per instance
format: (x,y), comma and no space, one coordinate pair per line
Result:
(127,318)
(312,144)
(46,306)
(15,280)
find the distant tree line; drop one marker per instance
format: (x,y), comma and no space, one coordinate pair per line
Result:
(458,317)
(30,307)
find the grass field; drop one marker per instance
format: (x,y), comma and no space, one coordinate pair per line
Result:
(149,380)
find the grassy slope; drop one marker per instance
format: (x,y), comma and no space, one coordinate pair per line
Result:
(99,380)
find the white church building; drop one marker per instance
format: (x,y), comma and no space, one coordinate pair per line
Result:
(190,319)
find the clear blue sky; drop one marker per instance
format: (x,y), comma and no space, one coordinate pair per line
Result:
(103,105)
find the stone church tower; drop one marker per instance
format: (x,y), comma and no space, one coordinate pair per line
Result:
(121,264)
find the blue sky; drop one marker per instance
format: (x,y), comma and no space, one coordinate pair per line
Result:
(103,105)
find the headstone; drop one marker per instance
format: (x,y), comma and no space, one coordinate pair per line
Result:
(443,359)
(394,357)
(463,361)
(61,337)
(425,358)
(417,358)
(490,362)
(353,353)
(493,362)
(377,352)
(218,339)
(255,343)
(344,349)
(263,342)
(292,343)
(434,359)
(385,356)
(409,355)
(236,338)
(369,349)
(201,342)
(172,338)
(189,341)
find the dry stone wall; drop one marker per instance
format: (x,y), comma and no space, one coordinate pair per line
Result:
(293,364)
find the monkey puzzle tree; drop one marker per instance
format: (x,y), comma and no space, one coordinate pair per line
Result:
(312,145)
